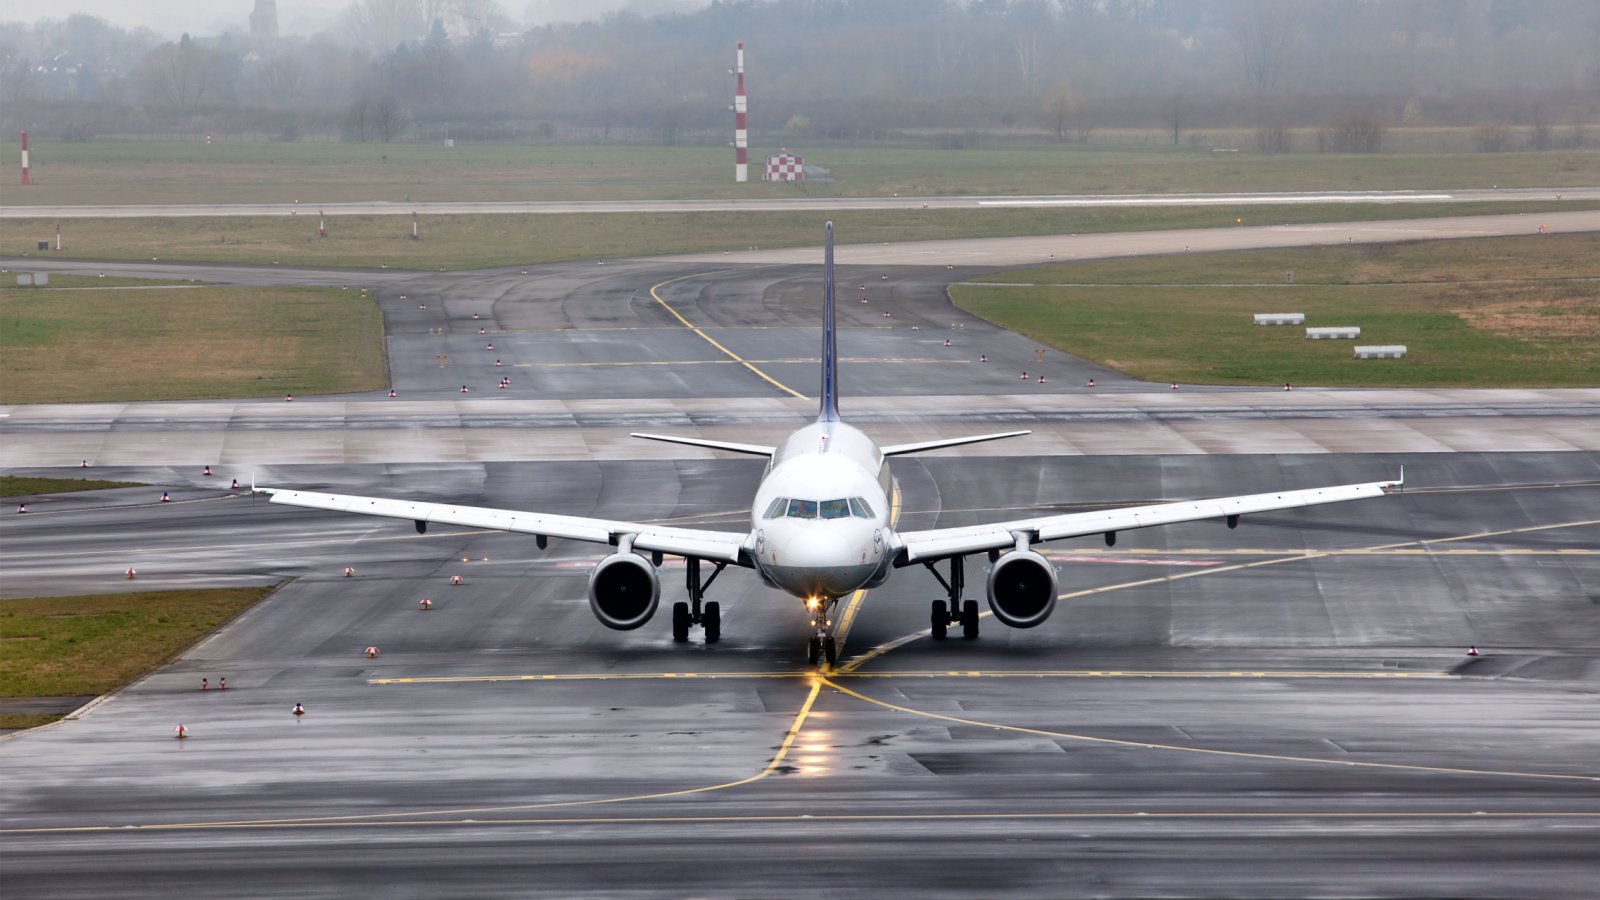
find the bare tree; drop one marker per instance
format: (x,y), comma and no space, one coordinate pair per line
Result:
(183,74)
(1264,30)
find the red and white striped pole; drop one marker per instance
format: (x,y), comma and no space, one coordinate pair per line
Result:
(25,178)
(741,135)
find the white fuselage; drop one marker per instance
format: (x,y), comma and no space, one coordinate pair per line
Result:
(820,523)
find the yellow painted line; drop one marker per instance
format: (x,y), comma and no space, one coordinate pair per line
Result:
(713,341)
(778,757)
(1357,674)
(849,616)
(1235,754)
(835,818)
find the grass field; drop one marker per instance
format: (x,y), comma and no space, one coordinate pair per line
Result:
(187,343)
(107,172)
(479,241)
(1497,312)
(78,646)
(20,486)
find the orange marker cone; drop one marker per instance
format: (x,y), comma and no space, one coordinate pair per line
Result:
(482,330)
(455,580)
(391,392)
(132,574)
(372,653)
(180,732)
(288,398)
(947,342)
(1473,650)
(84,464)
(463,389)
(1174,385)
(1091,383)
(1287,387)
(1024,376)
(165,497)
(983,357)
(497,362)
(489,347)
(207,472)
(234,486)
(426,604)
(1041,379)
(22,508)
(474,316)
(349,572)
(299,710)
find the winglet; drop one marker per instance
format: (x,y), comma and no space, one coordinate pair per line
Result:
(830,349)
(1399,483)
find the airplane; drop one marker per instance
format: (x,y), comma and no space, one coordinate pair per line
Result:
(820,529)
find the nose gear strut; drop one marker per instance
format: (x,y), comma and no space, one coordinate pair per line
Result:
(822,644)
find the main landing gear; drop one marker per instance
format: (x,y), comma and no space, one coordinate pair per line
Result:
(693,612)
(945,613)
(822,644)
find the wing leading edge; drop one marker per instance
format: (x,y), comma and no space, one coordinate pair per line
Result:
(724,546)
(939,543)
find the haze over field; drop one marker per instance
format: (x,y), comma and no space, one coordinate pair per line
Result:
(1296,75)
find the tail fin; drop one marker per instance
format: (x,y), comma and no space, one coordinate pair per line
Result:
(830,347)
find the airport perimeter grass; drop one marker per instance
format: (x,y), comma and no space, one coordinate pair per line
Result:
(112,172)
(80,646)
(187,343)
(483,241)
(1487,312)
(20,486)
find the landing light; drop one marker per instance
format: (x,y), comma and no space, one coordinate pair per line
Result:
(812,603)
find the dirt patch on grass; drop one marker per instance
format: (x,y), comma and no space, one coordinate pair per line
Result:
(1550,319)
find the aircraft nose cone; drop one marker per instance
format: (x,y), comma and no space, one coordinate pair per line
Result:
(818,550)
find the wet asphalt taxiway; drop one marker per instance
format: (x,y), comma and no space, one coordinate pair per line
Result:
(1282,709)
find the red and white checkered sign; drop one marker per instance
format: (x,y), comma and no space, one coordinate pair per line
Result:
(785,166)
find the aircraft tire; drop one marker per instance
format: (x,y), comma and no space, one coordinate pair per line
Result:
(830,650)
(939,619)
(969,619)
(713,622)
(680,621)
(813,650)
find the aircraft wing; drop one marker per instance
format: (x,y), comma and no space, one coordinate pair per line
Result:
(724,546)
(940,543)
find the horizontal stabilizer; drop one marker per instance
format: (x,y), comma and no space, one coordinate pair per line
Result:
(752,449)
(898,449)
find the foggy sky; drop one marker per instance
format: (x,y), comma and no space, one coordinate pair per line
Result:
(173,17)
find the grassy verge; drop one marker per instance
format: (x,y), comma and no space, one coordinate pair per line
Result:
(187,344)
(72,646)
(14,486)
(1493,312)
(109,172)
(480,241)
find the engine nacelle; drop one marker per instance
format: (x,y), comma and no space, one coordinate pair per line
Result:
(1022,589)
(624,591)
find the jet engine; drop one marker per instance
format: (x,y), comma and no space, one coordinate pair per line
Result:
(624,591)
(1022,589)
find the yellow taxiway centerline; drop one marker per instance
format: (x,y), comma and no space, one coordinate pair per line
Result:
(713,341)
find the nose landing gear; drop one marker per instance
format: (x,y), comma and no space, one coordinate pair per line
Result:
(822,644)
(945,613)
(686,614)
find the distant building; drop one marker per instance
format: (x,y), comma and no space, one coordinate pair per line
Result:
(784,166)
(264,20)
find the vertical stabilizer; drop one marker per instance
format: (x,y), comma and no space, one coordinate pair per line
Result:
(830,344)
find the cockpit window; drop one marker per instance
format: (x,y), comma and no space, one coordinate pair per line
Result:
(776,508)
(802,509)
(835,509)
(859,508)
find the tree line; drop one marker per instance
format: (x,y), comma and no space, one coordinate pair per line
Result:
(942,70)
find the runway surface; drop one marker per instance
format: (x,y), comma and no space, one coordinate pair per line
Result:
(1282,709)
(792,204)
